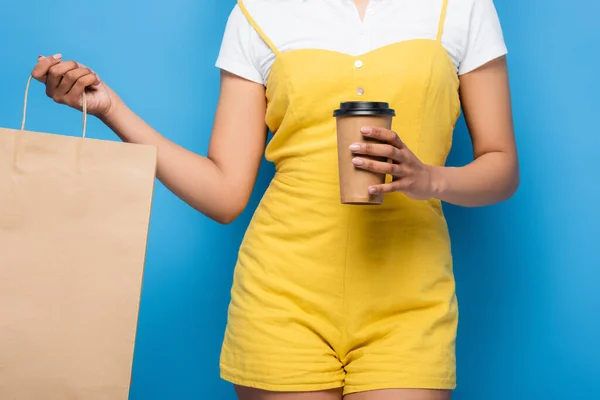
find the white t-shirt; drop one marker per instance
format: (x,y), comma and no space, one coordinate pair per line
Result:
(472,33)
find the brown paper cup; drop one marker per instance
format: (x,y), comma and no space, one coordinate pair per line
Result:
(351,117)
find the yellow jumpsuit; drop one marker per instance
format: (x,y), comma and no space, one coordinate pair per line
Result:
(327,295)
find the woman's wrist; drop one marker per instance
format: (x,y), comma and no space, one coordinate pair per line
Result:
(115,112)
(123,122)
(439,182)
(128,126)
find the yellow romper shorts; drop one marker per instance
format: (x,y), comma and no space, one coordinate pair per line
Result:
(327,295)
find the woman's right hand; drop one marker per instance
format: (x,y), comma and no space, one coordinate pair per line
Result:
(67,80)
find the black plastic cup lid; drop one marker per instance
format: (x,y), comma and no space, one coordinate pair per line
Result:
(362,108)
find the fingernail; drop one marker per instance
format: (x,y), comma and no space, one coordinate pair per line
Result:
(355,147)
(372,190)
(41,57)
(366,130)
(357,161)
(57,56)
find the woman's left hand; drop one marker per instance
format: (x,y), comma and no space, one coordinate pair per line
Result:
(410,175)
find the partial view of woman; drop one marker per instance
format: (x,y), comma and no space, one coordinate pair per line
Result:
(334,301)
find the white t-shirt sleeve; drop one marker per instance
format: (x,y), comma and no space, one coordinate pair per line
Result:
(485,39)
(237,54)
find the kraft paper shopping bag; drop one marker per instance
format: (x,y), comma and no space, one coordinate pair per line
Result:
(74,215)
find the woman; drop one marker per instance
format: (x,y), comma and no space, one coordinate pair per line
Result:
(330,300)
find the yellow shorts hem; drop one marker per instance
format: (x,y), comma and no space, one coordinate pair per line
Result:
(280,388)
(434,384)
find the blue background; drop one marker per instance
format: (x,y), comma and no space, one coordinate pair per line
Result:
(528,270)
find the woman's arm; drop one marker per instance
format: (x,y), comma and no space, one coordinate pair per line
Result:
(491,178)
(220,184)
(494,174)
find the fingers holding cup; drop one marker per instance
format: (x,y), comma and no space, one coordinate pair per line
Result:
(383,135)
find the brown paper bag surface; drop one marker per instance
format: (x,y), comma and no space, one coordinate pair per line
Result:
(74,216)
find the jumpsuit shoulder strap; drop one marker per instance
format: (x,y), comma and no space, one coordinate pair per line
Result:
(442,20)
(256,27)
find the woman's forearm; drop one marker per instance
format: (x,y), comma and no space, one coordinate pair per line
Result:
(195,179)
(491,178)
